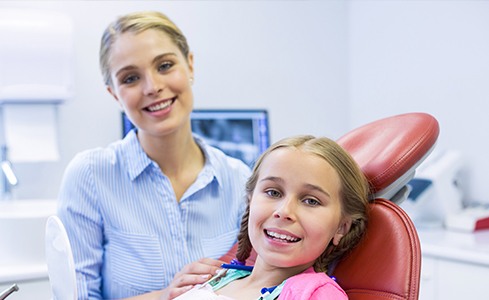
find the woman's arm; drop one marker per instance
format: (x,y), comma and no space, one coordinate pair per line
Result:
(78,210)
(192,274)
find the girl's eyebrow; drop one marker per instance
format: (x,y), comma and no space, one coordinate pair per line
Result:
(155,60)
(317,188)
(272,178)
(309,186)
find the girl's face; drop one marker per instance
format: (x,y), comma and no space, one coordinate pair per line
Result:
(152,81)
(295,209)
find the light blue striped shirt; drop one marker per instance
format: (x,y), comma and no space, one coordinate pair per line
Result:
(129,234)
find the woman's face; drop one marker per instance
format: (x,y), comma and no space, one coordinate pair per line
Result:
(295,209)
(152,81)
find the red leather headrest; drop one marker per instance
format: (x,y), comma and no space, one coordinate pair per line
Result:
(387,263)
(387,148)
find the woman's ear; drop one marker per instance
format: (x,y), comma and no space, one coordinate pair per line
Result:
(190,61)
(343,229)
(109,89)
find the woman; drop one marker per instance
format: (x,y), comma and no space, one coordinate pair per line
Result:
(142,213)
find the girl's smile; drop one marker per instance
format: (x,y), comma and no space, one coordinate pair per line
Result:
(281,236)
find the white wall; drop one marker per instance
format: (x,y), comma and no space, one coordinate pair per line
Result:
(286,56)
(430,56)
(320,67)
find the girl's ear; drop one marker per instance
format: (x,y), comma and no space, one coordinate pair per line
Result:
(343,229)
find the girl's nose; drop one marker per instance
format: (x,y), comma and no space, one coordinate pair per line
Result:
(285,209)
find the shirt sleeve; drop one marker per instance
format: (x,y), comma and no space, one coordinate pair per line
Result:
(79,213)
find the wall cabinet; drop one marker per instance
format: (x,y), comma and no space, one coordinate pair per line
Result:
(454,265)
(447,280)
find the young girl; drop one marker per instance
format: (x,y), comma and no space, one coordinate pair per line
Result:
(307,206)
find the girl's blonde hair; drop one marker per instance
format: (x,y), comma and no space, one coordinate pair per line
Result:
(354,192)
(138,22)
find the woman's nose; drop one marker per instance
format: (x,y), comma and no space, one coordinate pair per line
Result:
(285,209)
(152,84)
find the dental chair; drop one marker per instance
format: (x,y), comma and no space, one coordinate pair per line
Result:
(386,264)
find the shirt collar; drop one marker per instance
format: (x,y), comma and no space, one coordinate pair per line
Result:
(211,162)
(137,160)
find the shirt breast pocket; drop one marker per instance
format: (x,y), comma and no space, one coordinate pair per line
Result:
(217,246)
(136,261)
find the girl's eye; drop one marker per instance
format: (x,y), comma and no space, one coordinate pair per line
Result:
(129,79)
(165,66)
(311,202)
(273,193)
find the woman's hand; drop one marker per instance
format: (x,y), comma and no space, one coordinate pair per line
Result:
(194,273)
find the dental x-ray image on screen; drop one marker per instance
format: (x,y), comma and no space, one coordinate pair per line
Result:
(243,134)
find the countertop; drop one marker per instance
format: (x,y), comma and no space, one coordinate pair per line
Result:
(15,273)
(453,245)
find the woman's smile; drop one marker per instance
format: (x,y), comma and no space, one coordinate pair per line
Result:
(152,82)
(160,105)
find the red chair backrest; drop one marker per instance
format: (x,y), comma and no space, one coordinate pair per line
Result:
(387,149)
(387,262)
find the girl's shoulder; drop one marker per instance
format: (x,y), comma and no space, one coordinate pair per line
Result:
(312,285)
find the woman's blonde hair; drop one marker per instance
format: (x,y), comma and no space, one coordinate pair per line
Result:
(354,192)
(138,22)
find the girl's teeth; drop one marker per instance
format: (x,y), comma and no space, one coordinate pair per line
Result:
(282,236)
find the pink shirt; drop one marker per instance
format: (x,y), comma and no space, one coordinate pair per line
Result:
(310,285)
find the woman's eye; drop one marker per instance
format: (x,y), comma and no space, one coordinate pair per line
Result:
(311,202)
(273,193)
(165,66)
(129,79)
